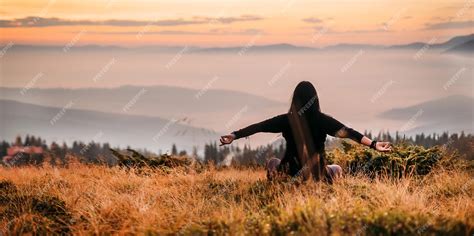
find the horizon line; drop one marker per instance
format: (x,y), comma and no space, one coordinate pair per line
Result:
(11,43)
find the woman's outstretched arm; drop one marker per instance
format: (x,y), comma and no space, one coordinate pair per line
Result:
(272,125)
(337,129)
(377,145)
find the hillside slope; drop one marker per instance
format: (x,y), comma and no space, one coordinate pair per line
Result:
(71,124)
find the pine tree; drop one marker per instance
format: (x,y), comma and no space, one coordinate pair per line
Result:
(18,141)
(174,150)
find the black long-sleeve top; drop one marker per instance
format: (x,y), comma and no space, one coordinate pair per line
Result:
(281,124)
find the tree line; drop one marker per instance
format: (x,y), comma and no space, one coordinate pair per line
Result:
(94,153)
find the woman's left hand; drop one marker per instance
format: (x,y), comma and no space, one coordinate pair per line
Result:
(383,146)
(227,139)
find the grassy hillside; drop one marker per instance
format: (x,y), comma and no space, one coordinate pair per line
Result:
(195,199)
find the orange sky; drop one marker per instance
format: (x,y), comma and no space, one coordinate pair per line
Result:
(223,23)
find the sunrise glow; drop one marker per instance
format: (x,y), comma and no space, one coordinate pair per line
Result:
(224,23)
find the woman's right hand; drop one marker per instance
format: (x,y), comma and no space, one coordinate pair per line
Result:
(383,146)
(227,139)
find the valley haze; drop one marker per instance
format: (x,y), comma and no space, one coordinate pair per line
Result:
(196,94)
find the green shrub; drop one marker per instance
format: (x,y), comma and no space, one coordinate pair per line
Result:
(165,162)
(402,161)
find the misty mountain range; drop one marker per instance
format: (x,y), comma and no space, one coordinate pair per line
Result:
(129,115)
(57,114)
(69,124)
(133,115)
(156,101)
(453,113)
(453,42)
(283,47)
(467,47)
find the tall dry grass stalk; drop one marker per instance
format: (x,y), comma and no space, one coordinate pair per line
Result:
(104,200)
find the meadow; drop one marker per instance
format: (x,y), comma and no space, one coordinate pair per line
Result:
(413,191)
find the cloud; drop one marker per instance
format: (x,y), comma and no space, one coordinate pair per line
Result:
(32,21)
(312,20)
(361,31)
(161,32)
(439,18)
(176,22)
(181,32)
(242,32)
(455,7)
(366,31)
(450,25)
(229,20)
(328,30)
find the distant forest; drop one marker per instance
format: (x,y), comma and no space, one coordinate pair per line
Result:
(95,153)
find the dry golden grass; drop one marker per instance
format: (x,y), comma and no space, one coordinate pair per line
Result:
(104,200)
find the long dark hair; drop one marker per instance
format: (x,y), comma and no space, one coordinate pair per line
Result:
(304,115)
(305,98)
(305,102)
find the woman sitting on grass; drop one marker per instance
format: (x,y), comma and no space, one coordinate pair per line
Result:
(305,128)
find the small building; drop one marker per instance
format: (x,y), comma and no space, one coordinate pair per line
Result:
(21,154)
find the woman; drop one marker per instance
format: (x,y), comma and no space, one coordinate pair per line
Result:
(305,128)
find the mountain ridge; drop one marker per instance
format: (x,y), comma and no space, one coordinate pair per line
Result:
(453,113)
(466,47)
(167,102)
(454,41)
(72,124)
